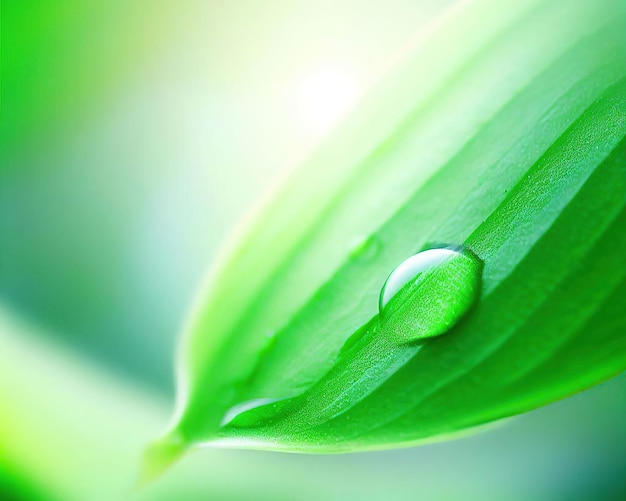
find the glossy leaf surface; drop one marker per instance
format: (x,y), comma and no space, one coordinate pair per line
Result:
(502,131)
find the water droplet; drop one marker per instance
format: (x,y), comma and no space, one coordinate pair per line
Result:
(239,409)
(429,292)
(252,412)
(366,248)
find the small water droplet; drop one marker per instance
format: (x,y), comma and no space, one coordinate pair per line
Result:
(429,292)
(243,407)
(252,412)
(366,248)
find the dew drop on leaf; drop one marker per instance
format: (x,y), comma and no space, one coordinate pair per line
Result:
(244,407)
(428,293)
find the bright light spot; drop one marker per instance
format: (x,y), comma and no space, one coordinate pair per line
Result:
(324,96)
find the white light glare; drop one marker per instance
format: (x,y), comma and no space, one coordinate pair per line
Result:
(324,96)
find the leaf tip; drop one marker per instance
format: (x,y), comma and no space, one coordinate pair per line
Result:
(159,457)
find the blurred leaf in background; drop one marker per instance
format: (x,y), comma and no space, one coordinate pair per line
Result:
(114,202)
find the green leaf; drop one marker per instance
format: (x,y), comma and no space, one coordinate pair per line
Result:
(503,132)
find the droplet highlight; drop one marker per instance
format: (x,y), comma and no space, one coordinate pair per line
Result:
(409,269)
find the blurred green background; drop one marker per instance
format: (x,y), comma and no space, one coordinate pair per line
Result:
(134,135)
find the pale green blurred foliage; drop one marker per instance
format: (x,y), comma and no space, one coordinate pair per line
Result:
(127,184)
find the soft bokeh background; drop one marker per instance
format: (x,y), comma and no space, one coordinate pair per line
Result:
(134,135)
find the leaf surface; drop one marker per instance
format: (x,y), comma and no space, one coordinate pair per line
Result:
(504,132)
